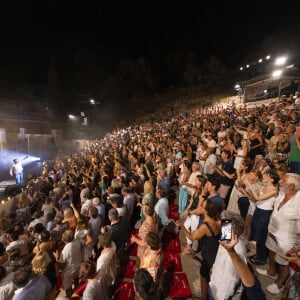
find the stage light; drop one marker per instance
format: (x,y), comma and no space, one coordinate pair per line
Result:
(280,61)
(268,56)
(277,73)
(260,60)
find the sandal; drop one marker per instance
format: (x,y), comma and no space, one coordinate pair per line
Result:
(188,251)
(254,260)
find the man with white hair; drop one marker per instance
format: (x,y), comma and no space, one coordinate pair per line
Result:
(283,230)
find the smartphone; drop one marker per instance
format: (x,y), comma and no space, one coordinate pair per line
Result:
(226,230)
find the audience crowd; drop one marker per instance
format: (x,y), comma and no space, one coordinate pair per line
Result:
(71,225)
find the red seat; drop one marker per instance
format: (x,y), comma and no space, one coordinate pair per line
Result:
(129,270)
(174,215)
(125,291)
(131,249)
(180,287)
(172,243)
(173,207)
(172,261)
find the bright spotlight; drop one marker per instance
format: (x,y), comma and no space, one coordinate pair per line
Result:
(241,68)
(280,61)
(265,91)
(237,86)
(268,56)
(277,73)
(247,66)
(92,101)
(72,117)
(260,60)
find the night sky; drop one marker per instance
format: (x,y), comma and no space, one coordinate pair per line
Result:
(107,31)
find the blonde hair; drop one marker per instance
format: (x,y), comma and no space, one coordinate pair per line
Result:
(40,262)
(148,187)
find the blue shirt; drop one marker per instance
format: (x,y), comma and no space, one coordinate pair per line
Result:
(162,210)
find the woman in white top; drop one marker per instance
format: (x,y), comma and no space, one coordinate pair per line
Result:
(264,199)
(242,153)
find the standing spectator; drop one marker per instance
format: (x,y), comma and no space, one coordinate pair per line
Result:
(241,154)
(294,158)
(69,260)
(226,175)
(283,230)
(35,288)
(226,284)
(147,197)
(210,160)
(264,200)
(208,232)
(162,207)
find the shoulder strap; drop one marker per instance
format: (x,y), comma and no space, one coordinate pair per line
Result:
(209,228)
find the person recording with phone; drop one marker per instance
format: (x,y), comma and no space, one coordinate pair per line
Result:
(227,284)
(250,282)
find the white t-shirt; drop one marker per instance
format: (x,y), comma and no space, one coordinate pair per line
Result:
(224,278)
(285,223)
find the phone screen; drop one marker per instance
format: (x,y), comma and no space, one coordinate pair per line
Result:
(226,228)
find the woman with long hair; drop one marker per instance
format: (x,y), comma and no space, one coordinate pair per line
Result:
(241,153)
(264,200)
(147,197)
(153,257)
(208,232)
(192,219)
(149,225)
(256,143)
(242,173)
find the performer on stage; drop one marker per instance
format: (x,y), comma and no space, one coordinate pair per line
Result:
(17,170)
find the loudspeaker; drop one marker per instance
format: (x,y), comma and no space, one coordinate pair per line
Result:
(12,190)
